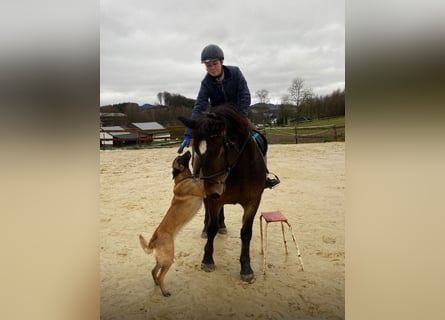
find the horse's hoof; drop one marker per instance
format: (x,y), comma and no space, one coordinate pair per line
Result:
(208,267)
(222,230)
(249,278)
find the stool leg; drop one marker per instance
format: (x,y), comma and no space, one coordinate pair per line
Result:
(296,246)
(265,250)
(284,237)
(261,232)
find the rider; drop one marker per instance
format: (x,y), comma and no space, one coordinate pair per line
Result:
(221,84)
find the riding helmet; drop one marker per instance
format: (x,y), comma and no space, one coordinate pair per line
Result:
(211,52)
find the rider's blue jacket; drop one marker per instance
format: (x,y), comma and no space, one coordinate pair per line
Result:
(233,88)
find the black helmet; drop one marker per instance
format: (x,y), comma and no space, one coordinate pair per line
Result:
(211,52)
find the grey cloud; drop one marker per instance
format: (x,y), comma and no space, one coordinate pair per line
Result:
(147,47)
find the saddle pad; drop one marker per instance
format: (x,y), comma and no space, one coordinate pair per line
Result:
(261,141)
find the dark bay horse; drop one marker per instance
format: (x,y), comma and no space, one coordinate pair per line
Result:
(233,170)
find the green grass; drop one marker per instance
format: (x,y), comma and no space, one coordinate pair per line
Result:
(340,121)
(287,134)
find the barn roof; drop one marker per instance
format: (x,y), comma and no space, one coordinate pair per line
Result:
(121,135)
(148,125)
(113,128)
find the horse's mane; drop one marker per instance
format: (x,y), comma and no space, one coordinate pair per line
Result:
(225,116)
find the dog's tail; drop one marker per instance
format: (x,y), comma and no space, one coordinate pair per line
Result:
(148,247)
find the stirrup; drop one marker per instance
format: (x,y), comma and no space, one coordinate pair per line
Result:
(272,182)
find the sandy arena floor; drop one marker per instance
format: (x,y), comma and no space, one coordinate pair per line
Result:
(136,190)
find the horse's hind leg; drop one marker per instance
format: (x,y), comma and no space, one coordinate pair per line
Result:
(246,273)
(222,229)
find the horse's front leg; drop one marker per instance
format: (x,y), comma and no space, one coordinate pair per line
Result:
(246,273)
(208,264)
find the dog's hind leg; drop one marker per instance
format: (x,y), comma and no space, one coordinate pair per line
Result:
(160,279)
(155,271)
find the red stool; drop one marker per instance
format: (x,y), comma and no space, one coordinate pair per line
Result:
(276,216)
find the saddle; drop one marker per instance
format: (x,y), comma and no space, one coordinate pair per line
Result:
(260,141)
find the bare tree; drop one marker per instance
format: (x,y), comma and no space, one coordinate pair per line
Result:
(167,98)
(262,96)
(298,94)
(160,97)
(285,99)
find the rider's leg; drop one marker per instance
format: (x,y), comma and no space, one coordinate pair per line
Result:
(271,182)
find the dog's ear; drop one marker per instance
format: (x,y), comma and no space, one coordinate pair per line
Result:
(185,159)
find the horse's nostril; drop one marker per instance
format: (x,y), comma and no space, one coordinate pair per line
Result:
(215,195)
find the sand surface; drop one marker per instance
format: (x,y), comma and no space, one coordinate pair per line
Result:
(136,190)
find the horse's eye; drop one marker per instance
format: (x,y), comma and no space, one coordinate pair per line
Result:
(202,147)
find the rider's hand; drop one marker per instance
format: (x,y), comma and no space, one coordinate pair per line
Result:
(184,143)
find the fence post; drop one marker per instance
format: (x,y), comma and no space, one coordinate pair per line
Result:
(296,135)
(335,132)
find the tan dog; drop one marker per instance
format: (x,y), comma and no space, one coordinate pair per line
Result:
(187,199)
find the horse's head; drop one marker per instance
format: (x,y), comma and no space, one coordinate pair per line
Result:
(210,143)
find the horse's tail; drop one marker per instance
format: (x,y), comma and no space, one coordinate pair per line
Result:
(148,247)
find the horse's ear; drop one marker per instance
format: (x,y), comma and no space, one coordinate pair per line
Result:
(189,123)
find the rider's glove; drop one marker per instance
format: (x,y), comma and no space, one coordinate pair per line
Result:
(184,143)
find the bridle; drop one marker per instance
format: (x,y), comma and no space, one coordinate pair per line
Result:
(229,166)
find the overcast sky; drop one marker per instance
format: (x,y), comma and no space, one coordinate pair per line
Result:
(153,46)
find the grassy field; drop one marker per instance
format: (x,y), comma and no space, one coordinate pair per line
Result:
(340,121)
(324,130)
